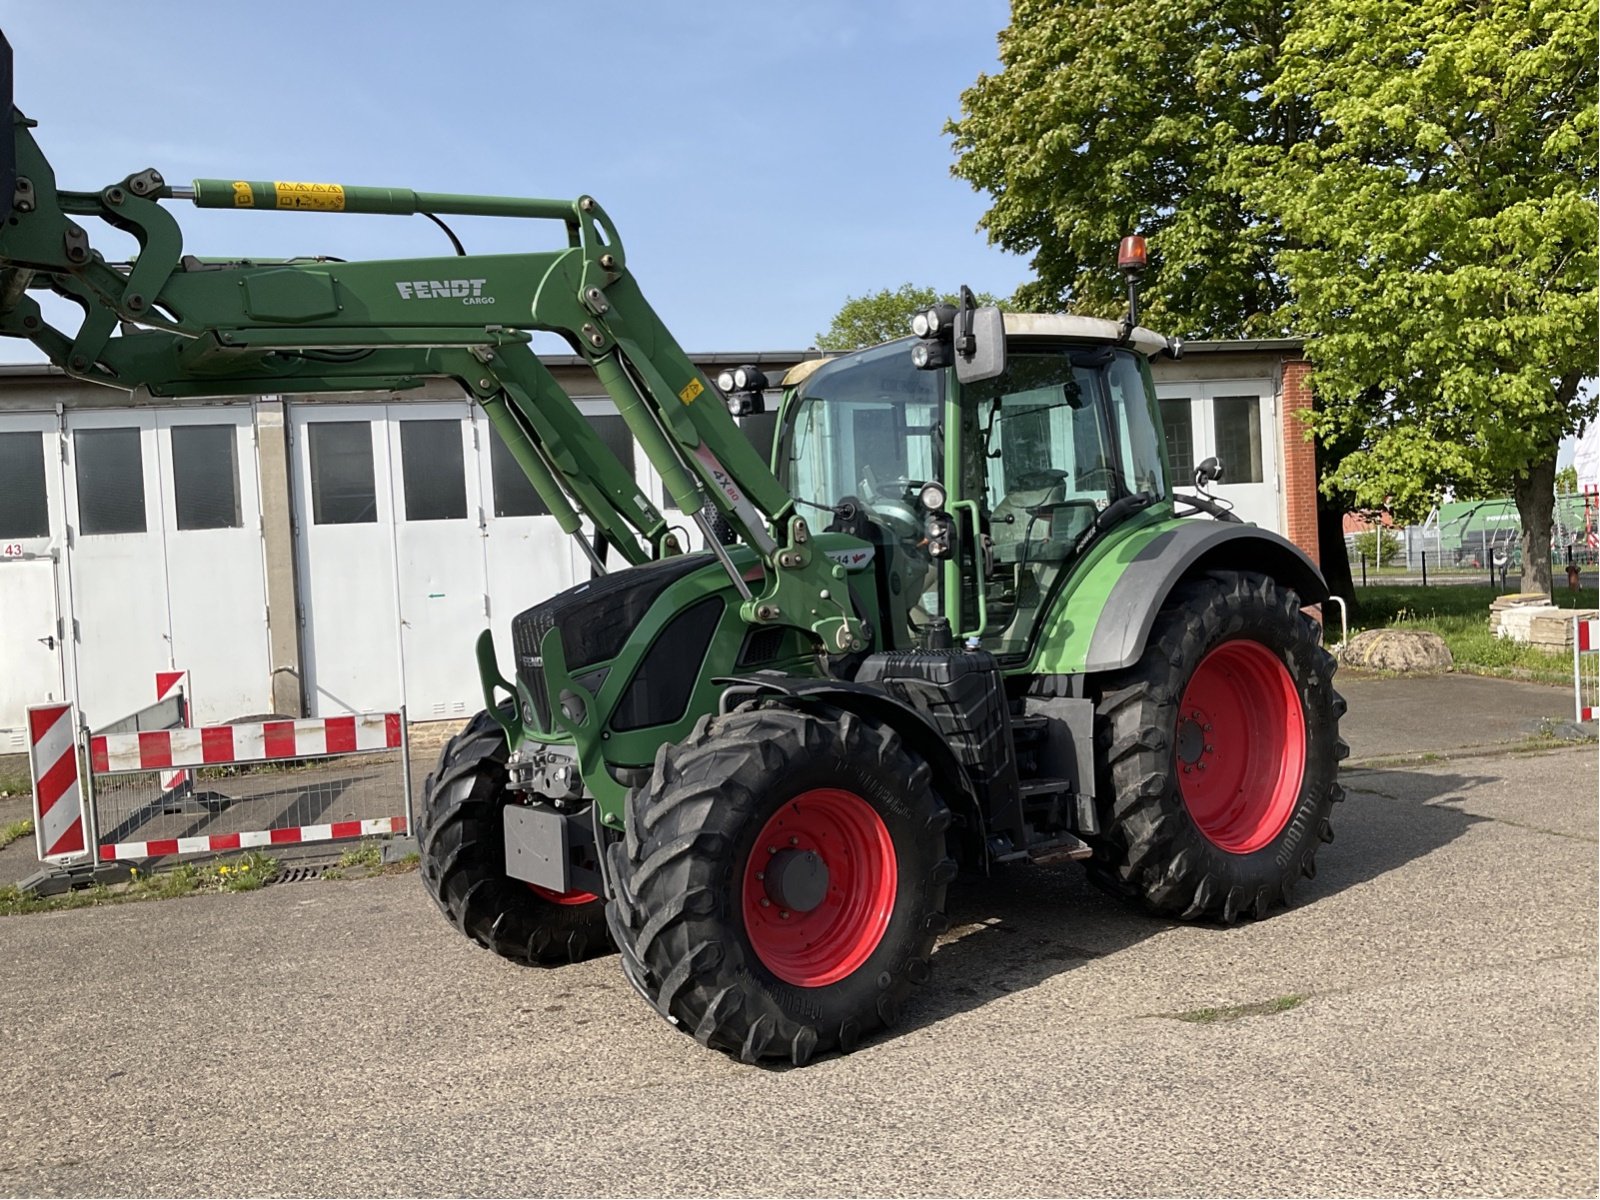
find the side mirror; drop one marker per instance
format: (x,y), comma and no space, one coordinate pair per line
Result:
(980,340)
(1208,472)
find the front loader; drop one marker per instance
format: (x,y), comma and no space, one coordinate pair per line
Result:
(960,619)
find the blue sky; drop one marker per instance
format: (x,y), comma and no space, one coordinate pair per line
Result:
(762,161)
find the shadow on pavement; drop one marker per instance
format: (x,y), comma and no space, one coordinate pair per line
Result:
(1029,924)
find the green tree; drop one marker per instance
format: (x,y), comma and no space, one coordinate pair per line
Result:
(882,316)
(1144,116)
(1567,481)
(1441,242)
(1135,116)
(1379,547)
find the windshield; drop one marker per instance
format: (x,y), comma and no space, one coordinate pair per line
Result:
(1059,437)
(867,429)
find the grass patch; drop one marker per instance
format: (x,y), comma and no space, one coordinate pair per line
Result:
(14,777)
(1237,1012)
(359,862)
(245,873)
(1460,615)
(15,831)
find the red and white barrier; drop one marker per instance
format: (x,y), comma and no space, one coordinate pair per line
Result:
(169,684)
(57,791)
(225,745)
(222,842)
(1586,683)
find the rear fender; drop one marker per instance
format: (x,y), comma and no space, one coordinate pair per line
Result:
(1184,550)
(950,777)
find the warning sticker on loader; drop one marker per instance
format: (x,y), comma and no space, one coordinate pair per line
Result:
(310,197)
(690,390)
(243,197)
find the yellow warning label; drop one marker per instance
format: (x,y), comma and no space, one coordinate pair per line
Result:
(243,197)
(310,197)
(690,390)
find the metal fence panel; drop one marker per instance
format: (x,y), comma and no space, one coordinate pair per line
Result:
(325,783)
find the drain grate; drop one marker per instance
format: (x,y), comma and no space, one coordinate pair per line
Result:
(299,874)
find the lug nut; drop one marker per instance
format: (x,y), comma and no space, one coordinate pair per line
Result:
(794,841)
(761,874)
(784,913)
(1211,749)
(765,903)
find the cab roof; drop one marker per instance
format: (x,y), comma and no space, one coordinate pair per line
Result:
(1065,326)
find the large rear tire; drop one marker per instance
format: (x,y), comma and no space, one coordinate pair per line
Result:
(782,881)
(1218,754)
(461,836)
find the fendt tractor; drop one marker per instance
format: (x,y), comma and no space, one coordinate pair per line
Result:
(958,618)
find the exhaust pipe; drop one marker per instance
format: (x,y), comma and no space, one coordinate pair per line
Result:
(8,139)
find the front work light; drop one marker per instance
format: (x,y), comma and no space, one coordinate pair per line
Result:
(934,322)
(743,387)
(930,355)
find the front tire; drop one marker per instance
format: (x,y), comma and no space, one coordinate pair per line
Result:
(1218,754)
(782,881)
(461,838)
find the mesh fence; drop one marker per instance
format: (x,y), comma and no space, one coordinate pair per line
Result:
(232,808)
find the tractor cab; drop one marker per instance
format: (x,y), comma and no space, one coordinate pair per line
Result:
(982,494)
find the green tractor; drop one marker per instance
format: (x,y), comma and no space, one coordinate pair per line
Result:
(1044,662)
(956,620)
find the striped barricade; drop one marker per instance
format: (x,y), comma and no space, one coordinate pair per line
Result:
(58,810)
(1586,669)
(259,784)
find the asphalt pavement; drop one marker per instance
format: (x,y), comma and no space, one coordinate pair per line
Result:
(339,1038)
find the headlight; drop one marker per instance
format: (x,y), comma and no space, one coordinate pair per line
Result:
(741,379)
(932,496)
(726,382)
(920,326)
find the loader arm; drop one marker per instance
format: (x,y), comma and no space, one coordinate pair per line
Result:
(174,325)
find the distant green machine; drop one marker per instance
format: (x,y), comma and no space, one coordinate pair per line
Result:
(957,624)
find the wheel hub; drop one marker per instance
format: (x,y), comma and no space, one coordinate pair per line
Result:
(1240,746)
(819,887)
(796,880)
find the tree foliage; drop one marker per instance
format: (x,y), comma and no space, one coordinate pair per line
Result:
(1567,481)
(882,316)
(1440,239)
(1409,184)
(1135,116)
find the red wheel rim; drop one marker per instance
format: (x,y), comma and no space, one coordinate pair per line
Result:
(1241,746)
(569,898)
(857,881)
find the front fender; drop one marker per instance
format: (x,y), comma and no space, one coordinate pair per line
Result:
(1104,616)
(950,777)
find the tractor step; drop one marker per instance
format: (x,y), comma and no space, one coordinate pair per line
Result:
(1029,788)
(1060,850)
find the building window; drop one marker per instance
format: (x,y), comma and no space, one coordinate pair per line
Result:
(433,470)
(513,494)
(1238,429)
(342,488)
(1177,418)
(24,511)
(614,432)
(110,469)
(205,476)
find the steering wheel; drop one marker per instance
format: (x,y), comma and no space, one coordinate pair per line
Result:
(1048,509)
(1044,478)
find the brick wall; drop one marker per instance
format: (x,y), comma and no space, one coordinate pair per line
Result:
(1299,460)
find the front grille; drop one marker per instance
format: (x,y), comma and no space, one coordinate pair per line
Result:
(595,619)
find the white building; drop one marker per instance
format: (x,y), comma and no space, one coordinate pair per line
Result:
(329,554)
